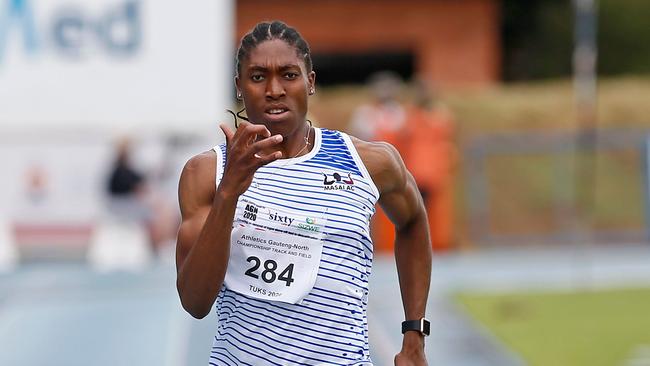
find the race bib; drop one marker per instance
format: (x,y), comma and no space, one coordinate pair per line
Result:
(274,254)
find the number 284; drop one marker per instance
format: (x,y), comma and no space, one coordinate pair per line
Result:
(268,274)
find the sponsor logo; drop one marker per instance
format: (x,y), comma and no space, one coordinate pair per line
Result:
(70,30)
(309,225)
(282,219)
(338,182)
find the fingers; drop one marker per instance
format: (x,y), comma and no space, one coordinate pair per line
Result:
(266,143)
(243,143)
(265,159)
(249,132)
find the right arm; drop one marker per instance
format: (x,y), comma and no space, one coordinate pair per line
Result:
(203,245)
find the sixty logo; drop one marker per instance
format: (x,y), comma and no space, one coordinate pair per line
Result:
(281,218)
(309,224)
(338,182)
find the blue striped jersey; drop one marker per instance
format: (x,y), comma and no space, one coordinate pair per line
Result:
(329,326)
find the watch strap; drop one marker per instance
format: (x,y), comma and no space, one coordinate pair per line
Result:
(421,325)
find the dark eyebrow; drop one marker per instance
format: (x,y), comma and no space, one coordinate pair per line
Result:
(282,68)
(257,68)
(289,66)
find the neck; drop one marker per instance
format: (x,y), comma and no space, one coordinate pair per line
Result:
(298,143)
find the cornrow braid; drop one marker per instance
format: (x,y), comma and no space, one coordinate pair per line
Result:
(266,31)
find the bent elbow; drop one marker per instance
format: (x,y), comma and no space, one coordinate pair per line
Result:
(193,306)
(198,314)
(196,311)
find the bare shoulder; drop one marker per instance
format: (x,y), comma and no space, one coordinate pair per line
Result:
(197,183)
(383,163)
(200,162)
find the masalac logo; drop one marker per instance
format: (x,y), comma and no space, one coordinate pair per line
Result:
(338,182)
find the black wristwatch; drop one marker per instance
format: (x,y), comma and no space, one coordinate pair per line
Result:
(421,325)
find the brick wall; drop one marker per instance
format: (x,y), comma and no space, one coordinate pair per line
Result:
(455,42)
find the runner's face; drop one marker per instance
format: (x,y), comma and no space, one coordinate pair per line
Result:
(275,85)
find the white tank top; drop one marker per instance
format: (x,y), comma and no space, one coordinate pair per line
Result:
(328,196)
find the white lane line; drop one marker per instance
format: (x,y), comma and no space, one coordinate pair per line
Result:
(640,356)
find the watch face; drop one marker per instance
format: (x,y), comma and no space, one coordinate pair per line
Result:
(426,326)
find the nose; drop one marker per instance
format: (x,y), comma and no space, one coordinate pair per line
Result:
(274,88)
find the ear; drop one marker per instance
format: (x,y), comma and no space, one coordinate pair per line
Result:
(311,80)
(238,89)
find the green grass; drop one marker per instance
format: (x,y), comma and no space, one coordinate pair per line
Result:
(619,191)
(533,193)
(522,193)
(596,328)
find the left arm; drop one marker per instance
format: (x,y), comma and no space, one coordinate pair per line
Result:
(402,202)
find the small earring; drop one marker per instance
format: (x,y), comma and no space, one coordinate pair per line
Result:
(311,91)
(238,96)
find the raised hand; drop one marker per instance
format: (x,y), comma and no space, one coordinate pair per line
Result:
(244,155)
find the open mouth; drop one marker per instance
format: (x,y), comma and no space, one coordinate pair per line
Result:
(276,112)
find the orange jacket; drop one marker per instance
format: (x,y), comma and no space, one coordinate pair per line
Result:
(427,147)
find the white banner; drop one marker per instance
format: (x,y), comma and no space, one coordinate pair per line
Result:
(121,64)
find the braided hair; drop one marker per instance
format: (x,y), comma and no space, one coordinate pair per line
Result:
(266,31)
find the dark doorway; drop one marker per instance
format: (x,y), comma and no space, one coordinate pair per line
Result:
(348,68)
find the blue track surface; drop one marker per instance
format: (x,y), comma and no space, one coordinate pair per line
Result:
(68,315)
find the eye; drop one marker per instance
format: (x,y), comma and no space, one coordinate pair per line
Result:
(257,77)
(291,75)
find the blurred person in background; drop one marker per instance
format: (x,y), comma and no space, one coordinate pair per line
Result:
(34,206)
(36,184)
(381,119)
(139,223)
(127,190)
(36,202)
(124,180)
(126,186)
(428,149)
(275,224)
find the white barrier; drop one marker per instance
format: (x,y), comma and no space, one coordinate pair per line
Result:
(8,252)
(117,245)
